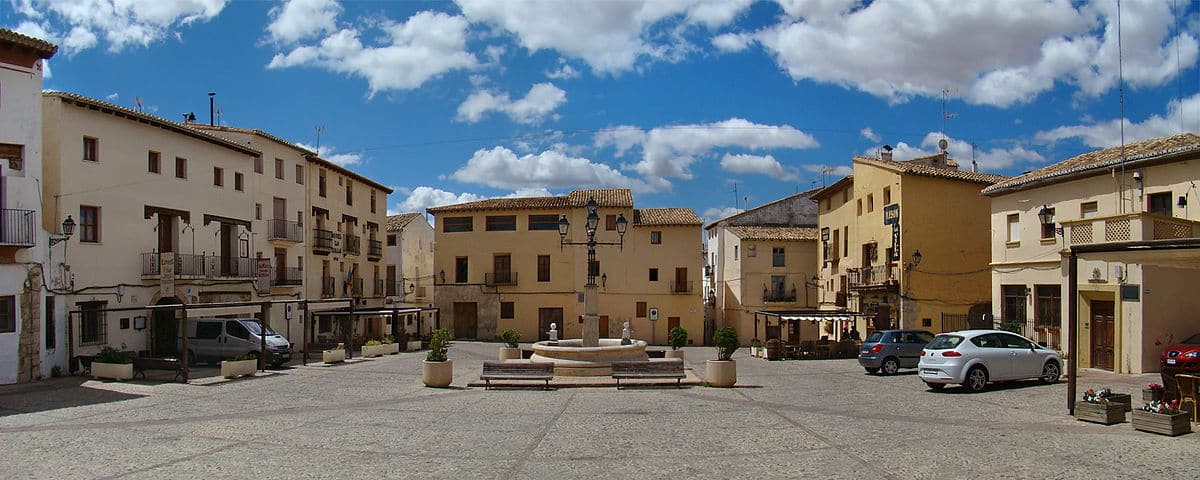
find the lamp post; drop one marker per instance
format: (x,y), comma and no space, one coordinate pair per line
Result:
(68,229)
(1046,216)
(591,307)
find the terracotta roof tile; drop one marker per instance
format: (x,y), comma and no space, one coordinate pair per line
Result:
(524,203)
(605,197)
(43,48)
(752,232)
(928,171)
(836,187)
(252,131)
(643,217)
(1151,149)
(397,222)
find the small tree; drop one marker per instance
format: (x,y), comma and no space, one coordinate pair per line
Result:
(727,343)
(439,343)
(677,337)
(510,337)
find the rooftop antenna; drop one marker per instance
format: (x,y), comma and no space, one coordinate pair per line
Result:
(825,171)
(137,101)
(735,196)
(211,113)
(974,164)
(1121,91)
(319,128)
(945,115)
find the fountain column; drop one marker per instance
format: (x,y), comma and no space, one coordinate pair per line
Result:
(591,316)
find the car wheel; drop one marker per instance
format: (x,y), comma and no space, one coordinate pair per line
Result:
(890,366)
(871,370)
(977,379)
(935,386)
(1050,372)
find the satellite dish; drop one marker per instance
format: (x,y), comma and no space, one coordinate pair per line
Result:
(943,144)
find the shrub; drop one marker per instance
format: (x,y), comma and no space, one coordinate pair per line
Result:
(727,342)
(112,355)
(756,343)
(389,339)
(511,337)
(439,343)
(676,338)
(373,343)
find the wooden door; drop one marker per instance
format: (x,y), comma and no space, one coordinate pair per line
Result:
(546,316)
(280,265)
(501,269)
(279,209)
(166,234)
(1103,321)
(681,279)
(228,249)
(466,319)
(604,327)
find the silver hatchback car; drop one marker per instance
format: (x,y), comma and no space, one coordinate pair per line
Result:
(887,351)
(972,358)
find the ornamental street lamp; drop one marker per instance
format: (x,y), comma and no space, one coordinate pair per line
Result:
(591,315)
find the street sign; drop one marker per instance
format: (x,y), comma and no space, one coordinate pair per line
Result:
(653,314)
(166,277)
(891,214)
(262,281)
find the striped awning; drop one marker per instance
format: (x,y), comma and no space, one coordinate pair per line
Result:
(817,318)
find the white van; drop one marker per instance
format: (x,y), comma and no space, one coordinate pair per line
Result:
(215,339)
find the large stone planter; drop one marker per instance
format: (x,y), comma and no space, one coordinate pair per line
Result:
(1100,413)
(115,371)
(674,354)
(336,355)
(437,374)
(392,348)
(509,353)
(413,345)
(721,373)
(1171,425)
(375,350)
(238,368)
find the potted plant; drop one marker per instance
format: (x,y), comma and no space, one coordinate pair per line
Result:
(334,355)
(1153,392)
(510,351)
(1096,408)
(1122,398)
(677,337)
(1162,417)
(390,345)
(722,372)
(755,347)
(437,370)
(374,348)
(112,363)
(773,349)
(239,366)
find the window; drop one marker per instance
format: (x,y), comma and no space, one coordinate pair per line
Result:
(235,328)
(349,192)
(1048,228)
(8,314)
(1159,203)
(1088,210)
(653,274)
(457,224)
(89,224)
(735,253)
(543,268)
(751,251)
(777,257)
(460,269)
(50,329)
(15,155)
(91,149)
(543,222)
(1047,304)
(501,223)
(258,211)
(828,204)
(887,195)
(507,310)
(926,322)
(154,162)
(845,196)
(320,183)
(640,309)
(93,326)
(1012,308)
(846,239)
(373,208)
(859,202)
(655,238)
(870,203)
(610,222)
(279,168)
(391,240)
(208,330)
(218,177)
(258,166)
(1014,227)
(238,181)
(180,167)
(300,174)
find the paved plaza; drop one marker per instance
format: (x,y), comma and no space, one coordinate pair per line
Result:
(374,419)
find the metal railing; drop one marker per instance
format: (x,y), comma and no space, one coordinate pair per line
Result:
(780,295)
(357,282)
(279,229)
(17,227)
(327,284)
(374,249)
(287,276)
(500,278)
(323,240)
(186,265)
(351,244)
(682,287)
(872,276)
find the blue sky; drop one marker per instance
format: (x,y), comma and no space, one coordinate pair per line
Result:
(681,100)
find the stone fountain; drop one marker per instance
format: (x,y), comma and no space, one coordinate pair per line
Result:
(572,358)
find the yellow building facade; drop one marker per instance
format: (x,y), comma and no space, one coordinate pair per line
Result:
(499,265)
(767,269)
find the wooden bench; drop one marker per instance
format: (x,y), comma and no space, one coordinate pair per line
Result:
(141,364)
(517,371)
(649,370)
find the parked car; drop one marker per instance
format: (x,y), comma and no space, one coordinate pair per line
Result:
(215,339)
(1184,355)
(973,358)
(887,351)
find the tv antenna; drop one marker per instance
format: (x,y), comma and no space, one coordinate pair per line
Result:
(218,115)
(945,115)
(137,101)
(319,128)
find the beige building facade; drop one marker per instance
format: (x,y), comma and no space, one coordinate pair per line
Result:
(872,225)
(499,265)
(767,269)
(1128,311)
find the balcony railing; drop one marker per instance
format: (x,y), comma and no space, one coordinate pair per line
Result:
(1129,228)
(682,288)
(288,276)
(286,230)
(327,284)
(357,283)
(350,245)
(17,227)
(202,266)
(874,276)
(779,295)
(374,249)
(500,278)
(325,241)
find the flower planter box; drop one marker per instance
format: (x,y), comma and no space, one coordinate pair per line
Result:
(674,354)
(115,371)
(1172,425)
(375,350)
(238,368)
(333,356)
(1149,395)
(392,348)
(1100,413)
(509,353)
(1123,399)
(413,345)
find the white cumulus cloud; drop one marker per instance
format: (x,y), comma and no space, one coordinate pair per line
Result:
(329,152)
(869,134)
(760,164)
(1179,116)
(423,197)
(716,213)
(500,167)
(990,160)
(78,25)
(297,20)
(540,102)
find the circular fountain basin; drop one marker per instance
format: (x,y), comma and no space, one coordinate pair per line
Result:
(572,359)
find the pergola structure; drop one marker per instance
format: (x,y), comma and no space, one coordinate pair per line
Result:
(350,315)
(796,316)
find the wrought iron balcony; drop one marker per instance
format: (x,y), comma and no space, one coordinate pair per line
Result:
(374,249)
(875,276)
(351,244)
(325,241)
(327,287)
(201,266)
(285,230)
(500,278)
(288,276)
(780,295)
(17,227)
(682,288)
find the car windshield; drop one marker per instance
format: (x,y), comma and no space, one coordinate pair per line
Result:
(1192,340)
(874,337)
(253,327)
(944,342)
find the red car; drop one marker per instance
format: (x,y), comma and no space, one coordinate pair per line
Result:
(1184,355)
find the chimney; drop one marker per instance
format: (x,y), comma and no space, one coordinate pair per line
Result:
(886,153)
(210,108)
(974,166)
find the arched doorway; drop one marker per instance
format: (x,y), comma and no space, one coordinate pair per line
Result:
(165,329)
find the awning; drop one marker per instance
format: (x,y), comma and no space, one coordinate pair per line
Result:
(817,318)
